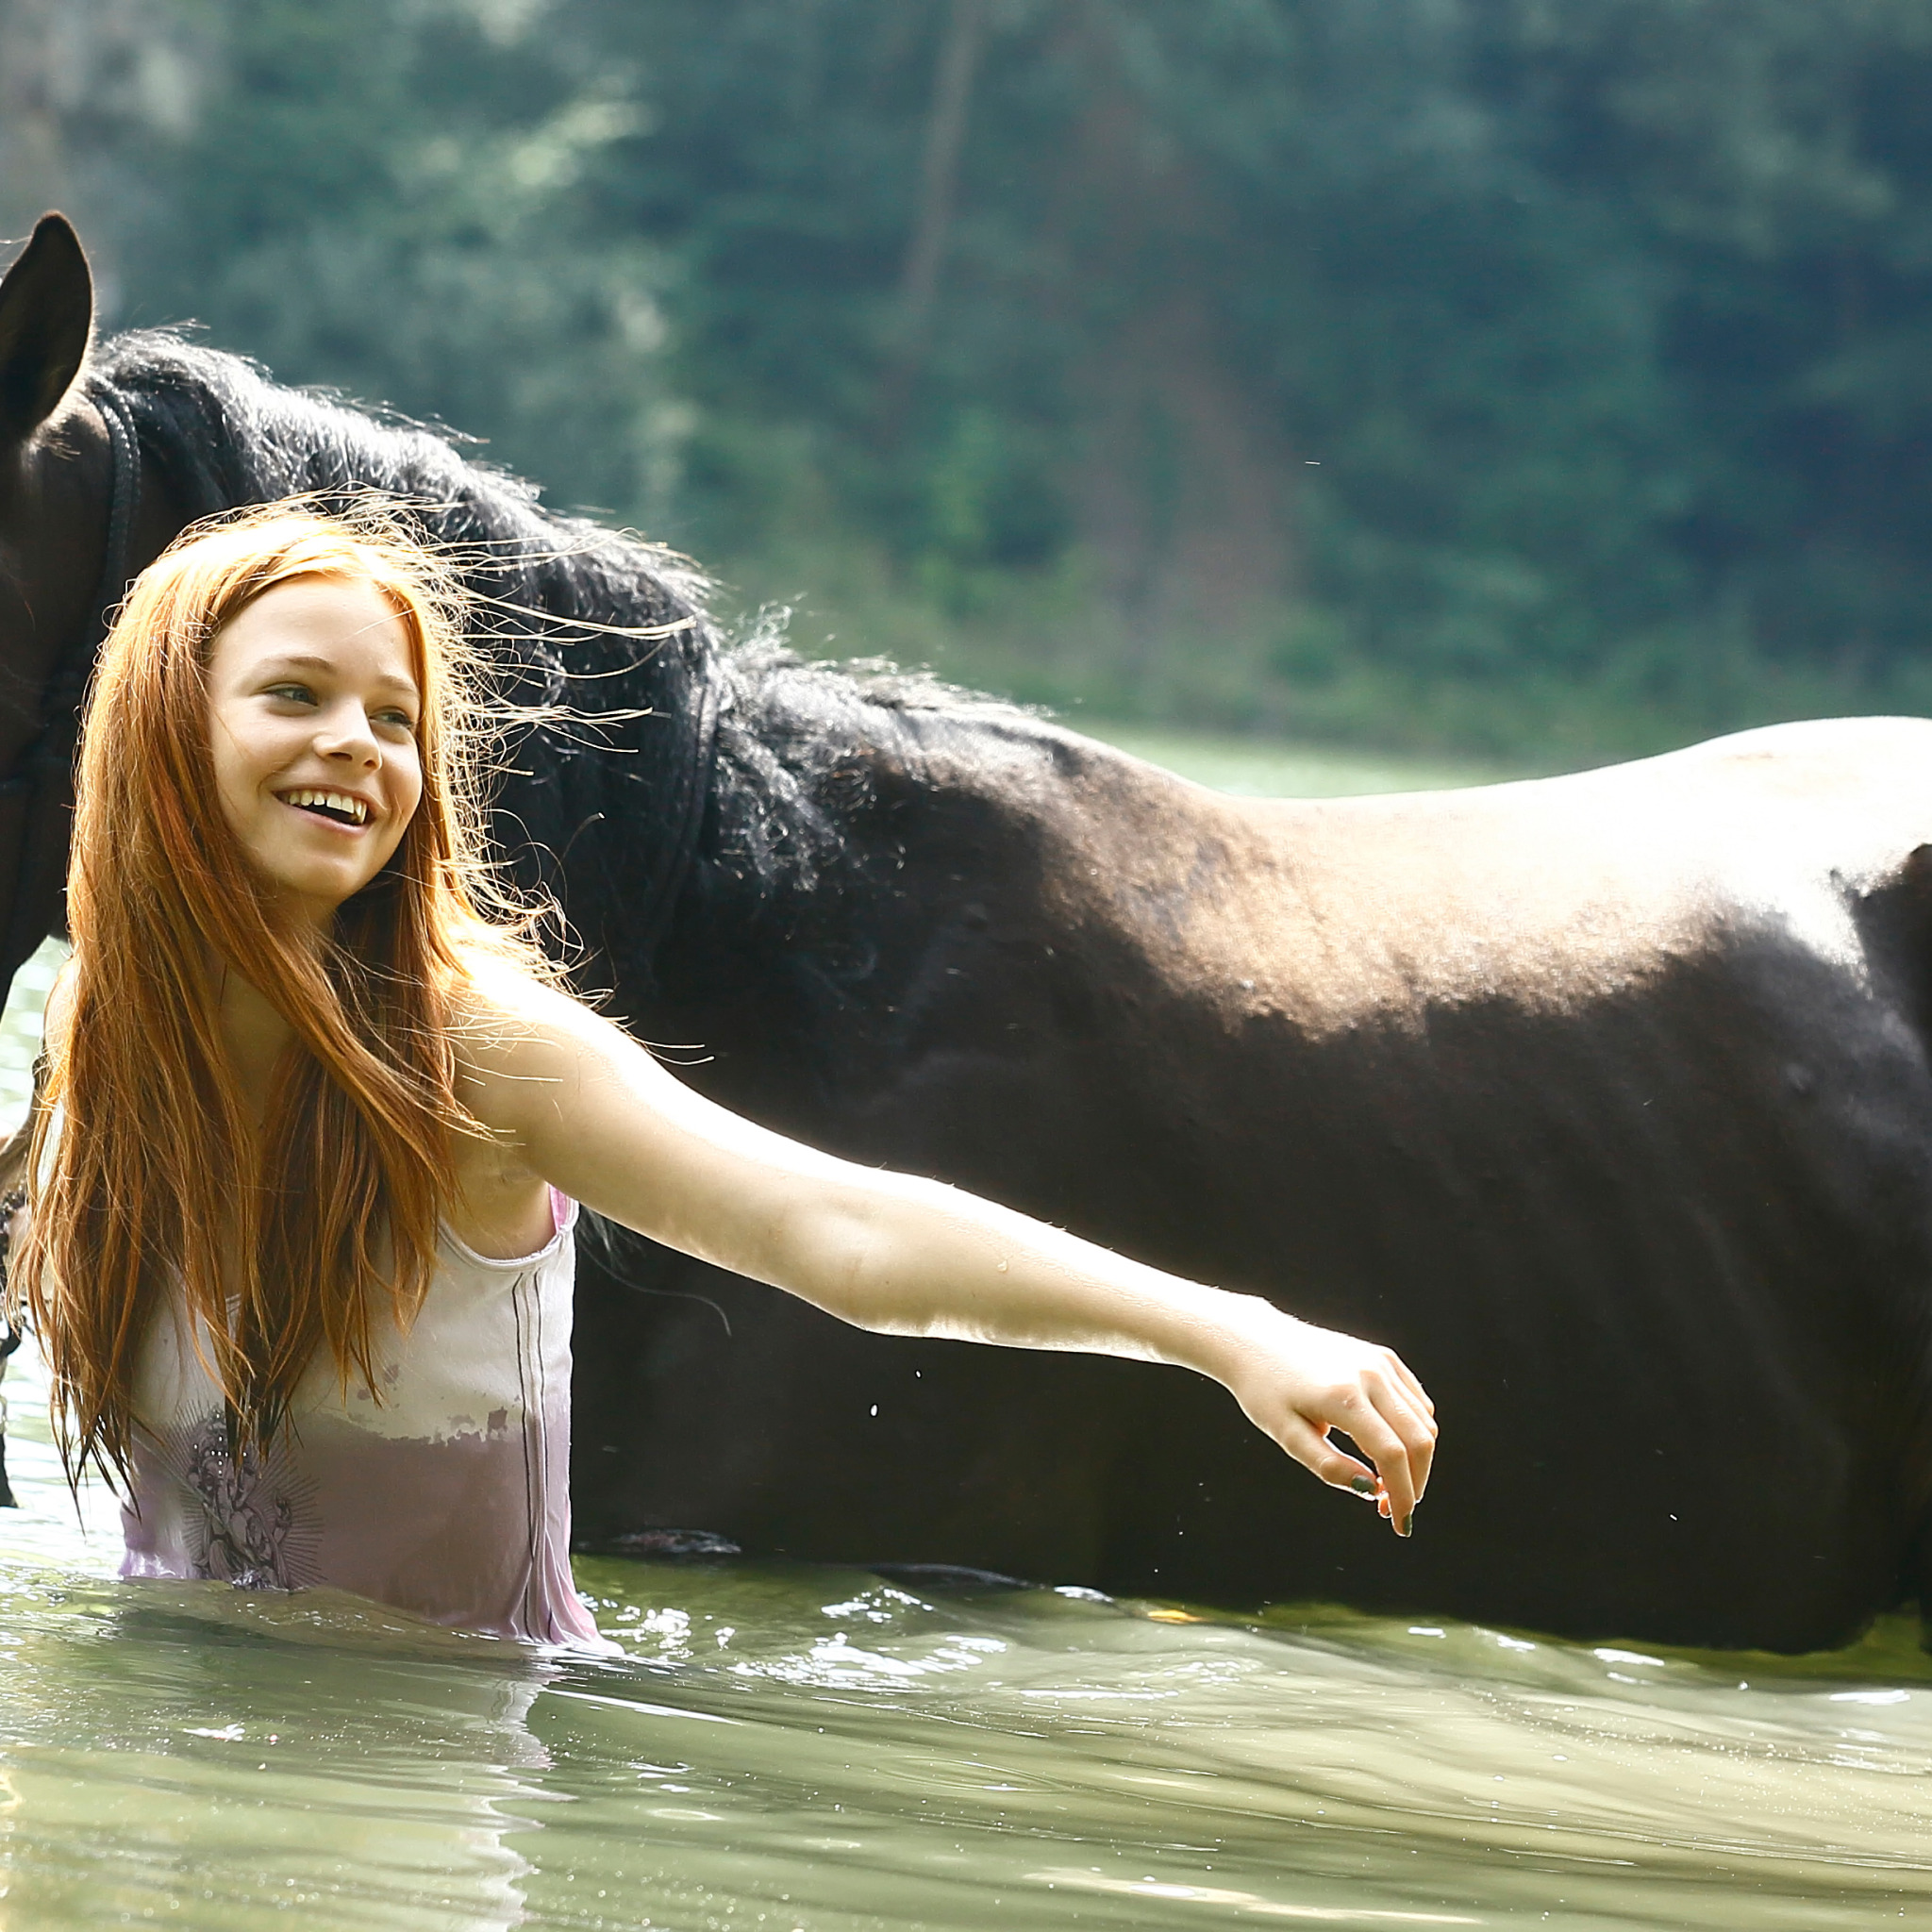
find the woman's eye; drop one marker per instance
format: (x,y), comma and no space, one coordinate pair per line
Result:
(294,694)
(401,720)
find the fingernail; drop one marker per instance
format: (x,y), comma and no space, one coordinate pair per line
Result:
(1409,1524)
(1361,1485)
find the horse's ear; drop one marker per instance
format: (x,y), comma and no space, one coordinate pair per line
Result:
(46,314)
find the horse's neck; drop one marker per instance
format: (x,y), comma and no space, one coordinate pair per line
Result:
(606,811)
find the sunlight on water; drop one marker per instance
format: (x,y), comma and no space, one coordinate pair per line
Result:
(793,1748)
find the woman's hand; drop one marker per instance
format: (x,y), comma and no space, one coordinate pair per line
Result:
(1296,1383)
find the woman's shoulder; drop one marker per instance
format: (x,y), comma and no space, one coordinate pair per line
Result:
(498,1001)
(516,1035)
(57,1016)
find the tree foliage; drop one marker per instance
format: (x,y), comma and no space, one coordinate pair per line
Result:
(1509,362)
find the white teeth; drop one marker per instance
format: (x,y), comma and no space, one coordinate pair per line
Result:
(356,808)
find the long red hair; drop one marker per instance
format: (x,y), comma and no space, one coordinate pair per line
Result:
(145,1167)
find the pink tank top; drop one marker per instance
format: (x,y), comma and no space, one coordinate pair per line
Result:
(449,1497)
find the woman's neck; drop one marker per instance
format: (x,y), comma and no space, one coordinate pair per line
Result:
(255,1035)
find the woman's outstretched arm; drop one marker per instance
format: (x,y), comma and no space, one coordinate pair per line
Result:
(581,1104)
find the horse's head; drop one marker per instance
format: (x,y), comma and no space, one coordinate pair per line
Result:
(69,536)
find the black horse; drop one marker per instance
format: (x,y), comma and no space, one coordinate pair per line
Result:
(1605,1099)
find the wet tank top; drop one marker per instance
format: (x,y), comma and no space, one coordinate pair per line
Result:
(448,1497)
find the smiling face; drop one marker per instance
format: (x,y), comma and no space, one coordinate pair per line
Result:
(313,706)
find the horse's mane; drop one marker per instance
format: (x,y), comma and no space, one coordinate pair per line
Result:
(225,435)
(785,782)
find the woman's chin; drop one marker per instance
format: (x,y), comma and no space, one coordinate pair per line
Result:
(316,900)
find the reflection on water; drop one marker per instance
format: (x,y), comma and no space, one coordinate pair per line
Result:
(794,1748)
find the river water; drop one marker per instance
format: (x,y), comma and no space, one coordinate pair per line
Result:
(830,1750)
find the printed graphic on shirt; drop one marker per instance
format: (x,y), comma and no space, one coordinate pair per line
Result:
(252,1521)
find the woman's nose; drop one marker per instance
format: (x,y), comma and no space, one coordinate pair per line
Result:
(347,735)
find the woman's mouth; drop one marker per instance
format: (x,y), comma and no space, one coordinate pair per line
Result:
(335,808)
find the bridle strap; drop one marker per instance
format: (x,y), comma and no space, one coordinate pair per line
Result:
(124,501)
(44,769)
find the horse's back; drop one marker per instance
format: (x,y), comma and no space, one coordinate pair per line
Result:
(1541,890)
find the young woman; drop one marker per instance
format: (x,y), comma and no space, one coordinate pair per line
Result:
(317,1112)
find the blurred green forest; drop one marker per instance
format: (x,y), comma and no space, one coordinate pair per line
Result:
(1528,379)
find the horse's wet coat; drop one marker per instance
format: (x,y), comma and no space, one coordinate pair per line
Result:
(1604,1099)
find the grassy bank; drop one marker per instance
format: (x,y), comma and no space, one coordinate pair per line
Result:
(1293,674)
(1269,768)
